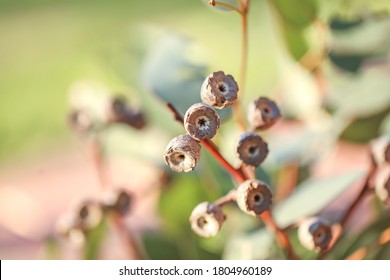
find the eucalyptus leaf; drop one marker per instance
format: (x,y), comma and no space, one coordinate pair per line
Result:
(298,13)
(249,246)
(385,125)
(313,195)
(295,41)
(94,240)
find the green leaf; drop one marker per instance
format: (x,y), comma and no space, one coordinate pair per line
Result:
(312,196)
(295,41)
(298,13)
(349,63)
(222,8)
(159,247)
(168,73)
(249,246)
(94,239)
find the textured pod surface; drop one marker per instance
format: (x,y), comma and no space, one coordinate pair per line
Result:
(382,183)
(201,121)
(219,90)
(254,197)
(119,201)
(182,153)
(315,233)
(252,149)
(119,112)
(263,113)
(380,149)
(206,219)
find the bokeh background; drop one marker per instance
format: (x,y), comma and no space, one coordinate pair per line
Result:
(327,63)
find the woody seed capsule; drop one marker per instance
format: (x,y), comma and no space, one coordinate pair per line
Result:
(89,215)
(263,113)
(382,183)
(119,112)
(201,121)
(207,219)
(252,149)
(254,197)
(119,201)
(380,149)
(219,90)
(315,234)
(182,153)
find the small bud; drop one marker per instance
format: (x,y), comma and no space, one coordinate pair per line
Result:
(252,149)
(382,183)
(254,197)
(119,112)
(80,121)
(315,234)
(182,153)
(89,215)
(263,113)
(201,121)
(219,90)
(207,219)
(380,149)
(119,201)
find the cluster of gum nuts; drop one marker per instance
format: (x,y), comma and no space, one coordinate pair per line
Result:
(201,122)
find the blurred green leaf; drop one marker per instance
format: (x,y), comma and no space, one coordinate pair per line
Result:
(222,8)
(298,13)
(159,247)
(249,246)
(313,195)
(94,239)
(295,41)
(349,63)
(168,73)
(339,24)
(385,125)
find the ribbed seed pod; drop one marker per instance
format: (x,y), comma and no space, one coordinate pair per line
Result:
(119,112)
(182,153)
(119,201)
(315,233)
(207,219)
(254,197)
(252,149)
(219,90)
(262,113)
(380,149)
(201,121)
(382,183)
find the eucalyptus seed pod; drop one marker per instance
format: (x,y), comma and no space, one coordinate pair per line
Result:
(315,234)
(119,201)
(262,113)
(254,197)
(252,149)
(382,183)
(66,227)
(380,149)
(182,153)
(201,121)
(207,219)
(89,215)
(219,90)
(119,112)
(80,121)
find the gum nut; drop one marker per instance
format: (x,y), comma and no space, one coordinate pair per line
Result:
(219,90)
(117,109)
(382,183)
(80,121)
(182,153)
(380,149)
(262,113)
(119,201)
(252,149)
(315,234)
(254,197)
(201,121)
(90,214)
(207,219)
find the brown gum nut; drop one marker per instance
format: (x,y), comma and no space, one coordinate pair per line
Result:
(219,90)
(119,201)
(254,197)
(315,233)
(382,183)
(206,219)
(252,149)
(119,112)
(89,215)
(201,121)
(262,113)
(380,149)
(182,153)
(80,121)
